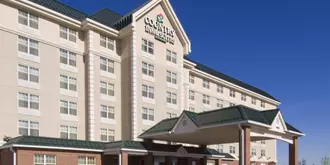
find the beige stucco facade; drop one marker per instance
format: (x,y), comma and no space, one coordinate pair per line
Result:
(127,78)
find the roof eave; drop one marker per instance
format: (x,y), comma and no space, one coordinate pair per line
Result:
(94,24)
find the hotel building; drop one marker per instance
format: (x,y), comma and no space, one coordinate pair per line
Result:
(108,77)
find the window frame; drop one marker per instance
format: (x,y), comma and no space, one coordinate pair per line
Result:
(148,69)
(68,56)
(219,88)
(148,114)
(29,100)
(29,74)
(206,84)
(108,133)
(171,56)
(28,19)
(219,103)
(109,91)
(232,93)
(253,151)
(262,104)
(232,149)
(69,132)
(171,98)
(29,127)
(69,83)
(206,99)
(29,44)
(171,77)
(149,91)
(109,42)
(70,108)
(68,33)
(171,115)
(191,95)
(148,46)
(191,79)
(254,101)
(45,162)
(243,97)
(86,158)
(108,64)
(109,111)
(263,153)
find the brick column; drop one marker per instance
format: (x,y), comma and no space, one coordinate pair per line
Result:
(203,161)
(293,152)
(244,145)
(149,159)
(218,162)
(124,158)
(168,160)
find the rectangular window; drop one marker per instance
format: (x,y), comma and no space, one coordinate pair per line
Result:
(191,79)
(220,148)
(68,58)
(29,128)
(191,95)
(28,46)
(232,93)
(243,97)
(27,100)
(206,99)
(171,98)
(44,159)
(192,109)
(68,83)
(28,19)
(68,34)
(148,69)
(254,101)
(206,84)
(148,114)
(171,115)
(107,112)
(107,65)
(171,56)
(263,153)
(84,160)
(171,77)
(107,88)
(68,132)
(68,107)
(107,42)
(147,46)
(28,73)
(148,91)
(262,104)
(219,103)
(219,88)
(263,142)
(232,149)
(107,135)
(253,152)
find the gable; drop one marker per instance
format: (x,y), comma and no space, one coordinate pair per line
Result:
(184,125)
(278,123)
(182,151)
(157,19)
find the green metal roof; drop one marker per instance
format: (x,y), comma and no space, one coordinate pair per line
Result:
(126,144)
(55,142)
(233,114)
(106,17)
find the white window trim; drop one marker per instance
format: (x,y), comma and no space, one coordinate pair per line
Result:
(108,134)
(28,56)
(45,159)
(69,131)
(29,127)
(29,19)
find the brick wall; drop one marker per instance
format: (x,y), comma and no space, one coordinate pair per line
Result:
(234,162)
(6,157)
(26,156)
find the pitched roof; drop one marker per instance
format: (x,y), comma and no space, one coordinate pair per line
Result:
(221,116)
(55,142)
(62,8)
(126,144)
(230,79)
(106,17)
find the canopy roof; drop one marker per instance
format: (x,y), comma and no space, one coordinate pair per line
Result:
(224,120)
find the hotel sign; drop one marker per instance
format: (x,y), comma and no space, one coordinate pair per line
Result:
(159,30)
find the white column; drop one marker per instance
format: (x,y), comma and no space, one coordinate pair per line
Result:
(90,86)
(134,87)
(241,146)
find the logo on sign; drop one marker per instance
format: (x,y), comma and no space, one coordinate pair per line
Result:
(159,30)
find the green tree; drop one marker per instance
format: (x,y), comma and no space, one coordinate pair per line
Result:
(325,160)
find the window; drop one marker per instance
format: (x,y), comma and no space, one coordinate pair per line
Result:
(232,149)
(28,19)
(191,95)
(206,99)
(107,135)
(68,34)
(68,58)
(28,46)
(171,77)
(263,104)
(192,109)
(107,42)
(232,93)
(254,101)
(148,91)
(68,107)
(44,159)
(107,88)
(263,153)
(27,100)
(171,98)
(29,128)
(84,160)
(191,79)
(148,114)
(107,65)
(28,73)
(254,152)
(263,142)
(243,97)
(148,69)
(107,112)
(219,103)
(220,89)
(68,83)
(171,115)
(206,84)
(171,56)
(68,132)
(147,46)
(231,104)
(220,148)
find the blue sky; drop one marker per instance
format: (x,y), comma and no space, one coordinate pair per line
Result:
(280,46)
